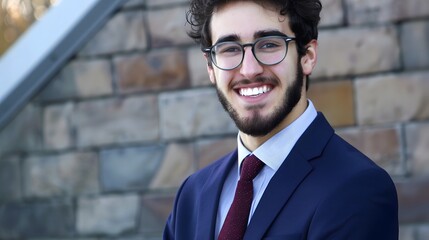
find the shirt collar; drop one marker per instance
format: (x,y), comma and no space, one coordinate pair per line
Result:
(275,150)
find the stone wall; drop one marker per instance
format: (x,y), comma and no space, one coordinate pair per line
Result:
(100,151)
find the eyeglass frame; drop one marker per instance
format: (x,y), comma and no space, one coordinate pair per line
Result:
(286,38)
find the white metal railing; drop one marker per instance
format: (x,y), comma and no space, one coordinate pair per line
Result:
(45,47)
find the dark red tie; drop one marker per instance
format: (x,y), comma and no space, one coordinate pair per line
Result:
(236,220)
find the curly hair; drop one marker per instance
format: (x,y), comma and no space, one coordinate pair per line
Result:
(304,16)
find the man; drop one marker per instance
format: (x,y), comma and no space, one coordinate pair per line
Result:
(309,184)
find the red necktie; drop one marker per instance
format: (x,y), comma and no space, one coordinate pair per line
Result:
(236,220)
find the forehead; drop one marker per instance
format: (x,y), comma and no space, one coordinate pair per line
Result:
(244,19)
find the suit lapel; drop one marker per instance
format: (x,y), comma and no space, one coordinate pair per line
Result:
(210,194)
(291,173)
(278,192)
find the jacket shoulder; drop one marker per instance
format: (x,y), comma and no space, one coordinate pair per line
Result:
(223,163)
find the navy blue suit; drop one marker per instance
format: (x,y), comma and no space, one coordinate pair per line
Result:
(325,189)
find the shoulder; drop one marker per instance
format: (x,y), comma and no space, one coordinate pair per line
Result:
(354,193)
(218,164)
(346,155)
(352,172)
(217,169)
(340,165)
(206,180)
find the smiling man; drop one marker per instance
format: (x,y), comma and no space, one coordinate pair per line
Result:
(291,176)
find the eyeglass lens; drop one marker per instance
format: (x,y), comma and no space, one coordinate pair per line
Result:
(267,50)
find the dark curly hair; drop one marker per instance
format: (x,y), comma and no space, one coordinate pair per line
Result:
(303,18)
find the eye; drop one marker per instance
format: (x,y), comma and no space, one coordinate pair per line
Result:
(228,49)
(267,44)
(270,44)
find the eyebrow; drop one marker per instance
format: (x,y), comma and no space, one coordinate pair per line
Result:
(266,33)
(258,34)
(228,38)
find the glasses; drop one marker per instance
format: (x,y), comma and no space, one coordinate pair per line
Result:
(268,51)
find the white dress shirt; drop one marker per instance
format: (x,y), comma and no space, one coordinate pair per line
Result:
(273,152)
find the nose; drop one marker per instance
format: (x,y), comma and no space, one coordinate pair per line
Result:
(250,67)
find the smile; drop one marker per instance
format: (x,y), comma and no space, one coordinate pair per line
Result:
(254,92)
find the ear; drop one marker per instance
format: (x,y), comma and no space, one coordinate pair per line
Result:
(309,60)
(210,69)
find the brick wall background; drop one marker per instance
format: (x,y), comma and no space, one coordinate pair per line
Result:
(100,151)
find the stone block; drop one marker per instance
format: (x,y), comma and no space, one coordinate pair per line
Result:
(423,232)
(155,211)
(413,200)
(415,44)
(368,11)
(347,51)
(336,100)
(209,150)
(129,168)
(10,178)
(23,132)
(392,98)
(197,64)
(156,70)
(193,113)
(36,220)
(115,121)
(125,32)
(168,26)
(381,144)
(138,236)
(107,215)
(407,232)
(80,79)
(177,164)
(57,122)
(151,236)
(69,174)
(332,13)
(417,142)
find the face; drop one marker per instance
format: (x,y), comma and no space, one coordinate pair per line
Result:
(259,98)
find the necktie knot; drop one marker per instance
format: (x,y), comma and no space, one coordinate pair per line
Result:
(251,167)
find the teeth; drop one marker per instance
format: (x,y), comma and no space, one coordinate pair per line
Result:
(252,92)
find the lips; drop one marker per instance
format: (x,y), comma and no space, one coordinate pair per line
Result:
(254,91)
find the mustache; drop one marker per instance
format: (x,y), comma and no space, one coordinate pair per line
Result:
(263,80)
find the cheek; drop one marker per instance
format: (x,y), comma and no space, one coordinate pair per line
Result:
(223,78)
(286,73)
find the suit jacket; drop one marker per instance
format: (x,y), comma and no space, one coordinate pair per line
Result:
(325,189)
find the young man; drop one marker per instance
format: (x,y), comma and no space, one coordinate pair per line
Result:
(309,184)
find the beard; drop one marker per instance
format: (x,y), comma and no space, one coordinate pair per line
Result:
(258,125)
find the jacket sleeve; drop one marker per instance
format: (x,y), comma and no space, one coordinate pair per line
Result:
(364,207)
